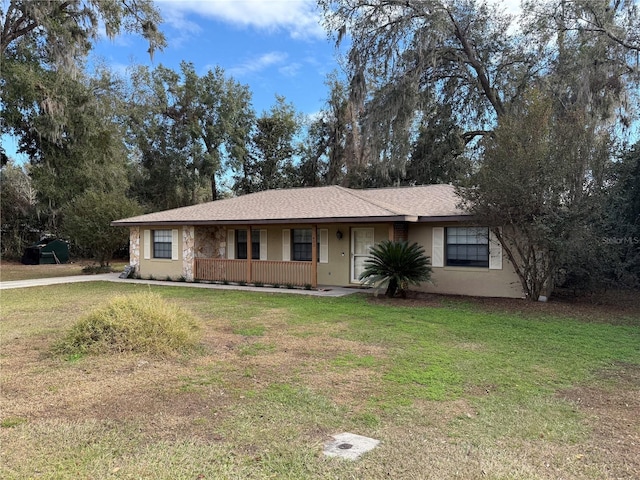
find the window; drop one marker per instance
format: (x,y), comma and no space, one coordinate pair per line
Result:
(467,246)
(241,244)
(301,244)
(162,243)
(296,245)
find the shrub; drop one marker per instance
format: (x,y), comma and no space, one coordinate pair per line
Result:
(140,323)
(396,265)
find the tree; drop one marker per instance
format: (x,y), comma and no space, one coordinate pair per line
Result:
(407,56)
(396,265)
(63,30)
(87,222)
(437,153)
(621,229)
(18,210)
(44,42)
(269,162)
(186,131)
(89,152)
(538,191)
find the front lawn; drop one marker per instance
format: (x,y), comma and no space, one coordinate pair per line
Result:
(12,270)
(453,389)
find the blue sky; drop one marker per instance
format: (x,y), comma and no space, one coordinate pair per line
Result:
(274,46)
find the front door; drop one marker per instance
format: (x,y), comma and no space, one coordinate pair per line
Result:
(361,243)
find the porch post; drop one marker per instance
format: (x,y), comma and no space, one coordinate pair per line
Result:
(392,235)
(314,256)
(249,253)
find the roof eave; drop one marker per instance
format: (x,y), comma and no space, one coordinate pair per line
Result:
(259,221)
(445,218)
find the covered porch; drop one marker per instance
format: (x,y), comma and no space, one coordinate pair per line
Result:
(258,264)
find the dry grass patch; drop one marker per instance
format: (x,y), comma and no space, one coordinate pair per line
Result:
(612,411)
(139,323)
(12,270)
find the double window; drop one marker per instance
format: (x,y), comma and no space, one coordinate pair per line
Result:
(162,243)
(467,246)
(241,244)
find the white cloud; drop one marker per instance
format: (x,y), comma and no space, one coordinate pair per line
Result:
(290,70)
(257,64)
(181,28)
(300,17)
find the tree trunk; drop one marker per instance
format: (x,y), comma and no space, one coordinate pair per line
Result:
(214,190)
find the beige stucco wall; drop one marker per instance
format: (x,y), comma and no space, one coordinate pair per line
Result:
(336,271)
(465,280)
(161,268)
(210,242)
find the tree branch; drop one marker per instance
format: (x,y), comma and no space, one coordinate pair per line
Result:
(489,91)
(469,136)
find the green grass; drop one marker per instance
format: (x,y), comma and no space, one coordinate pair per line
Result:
(11,422)
(277,374)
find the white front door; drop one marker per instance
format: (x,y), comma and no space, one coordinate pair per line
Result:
(361,242)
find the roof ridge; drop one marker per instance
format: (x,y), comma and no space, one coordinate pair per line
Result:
(389,207)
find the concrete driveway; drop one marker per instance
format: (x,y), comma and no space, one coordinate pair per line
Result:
(322,291)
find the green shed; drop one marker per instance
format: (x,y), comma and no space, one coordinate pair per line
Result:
(47,251)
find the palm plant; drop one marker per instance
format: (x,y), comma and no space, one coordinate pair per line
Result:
(396,265)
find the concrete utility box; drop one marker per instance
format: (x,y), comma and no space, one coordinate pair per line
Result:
(47,251)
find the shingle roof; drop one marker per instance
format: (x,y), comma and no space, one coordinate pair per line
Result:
(317,205)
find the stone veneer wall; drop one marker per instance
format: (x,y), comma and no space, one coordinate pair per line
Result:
(134,247)
(188,246)
(210,242)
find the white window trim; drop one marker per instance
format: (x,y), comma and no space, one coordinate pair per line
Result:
(286,244)
(263,245)
(147,244)
(437,247)
(174,244)
(323,254)
(495,252)
(231,244)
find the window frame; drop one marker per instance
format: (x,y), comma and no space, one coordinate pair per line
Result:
(468,258)
(242,248)
(297,255)
(309,243)
(162,250)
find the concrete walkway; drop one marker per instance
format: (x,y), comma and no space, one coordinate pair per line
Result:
(322,291)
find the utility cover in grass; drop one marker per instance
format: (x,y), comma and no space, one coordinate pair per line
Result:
(349,446)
